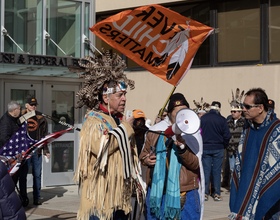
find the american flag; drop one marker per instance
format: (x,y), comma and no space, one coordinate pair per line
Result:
(18,143)
(13,168)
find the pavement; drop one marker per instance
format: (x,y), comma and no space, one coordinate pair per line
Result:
(62,202)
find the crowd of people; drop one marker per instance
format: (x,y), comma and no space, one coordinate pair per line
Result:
(10,132)
(182,170)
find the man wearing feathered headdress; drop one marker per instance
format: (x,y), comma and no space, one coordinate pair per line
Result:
(236,123)
(201,107)
(107,164)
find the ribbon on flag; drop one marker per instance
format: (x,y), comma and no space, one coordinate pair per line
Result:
(47,140)
(156,38)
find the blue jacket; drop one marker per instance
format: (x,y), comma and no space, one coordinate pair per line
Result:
(10,204)
(215,131)
(255,180)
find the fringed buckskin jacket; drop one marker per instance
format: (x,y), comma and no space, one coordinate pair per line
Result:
(107,166)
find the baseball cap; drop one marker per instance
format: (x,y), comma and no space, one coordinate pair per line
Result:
(32,101)
(137,113)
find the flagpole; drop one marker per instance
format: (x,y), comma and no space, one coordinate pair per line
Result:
(171,93)
(61,122)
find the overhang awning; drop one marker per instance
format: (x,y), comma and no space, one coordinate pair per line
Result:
(36,65)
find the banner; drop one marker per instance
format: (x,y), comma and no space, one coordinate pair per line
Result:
(156,38)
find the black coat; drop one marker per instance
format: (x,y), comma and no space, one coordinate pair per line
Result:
(8,126)
(38,129)
(10,204)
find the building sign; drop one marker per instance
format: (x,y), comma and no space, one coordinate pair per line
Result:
(37,60)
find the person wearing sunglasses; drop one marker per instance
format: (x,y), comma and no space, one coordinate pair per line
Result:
(236,123)
(37,129)
(254,192)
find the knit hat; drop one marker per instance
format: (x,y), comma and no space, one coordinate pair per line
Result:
(137,113)
(175,100)
(215,105)
(271,104)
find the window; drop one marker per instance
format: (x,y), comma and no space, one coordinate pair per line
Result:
(201,13)
(62,156)
(239,31)
(274,31)
(198,11)
(21,24)
(87,25)
(54,30)
(64,28)
(240,38)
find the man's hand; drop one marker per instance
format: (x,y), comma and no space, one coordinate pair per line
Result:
(180,142)
(150,160)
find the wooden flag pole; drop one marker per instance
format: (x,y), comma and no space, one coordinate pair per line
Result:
(171,93)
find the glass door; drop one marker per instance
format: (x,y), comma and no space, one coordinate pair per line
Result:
(57,102)
(64,150)
(18,91)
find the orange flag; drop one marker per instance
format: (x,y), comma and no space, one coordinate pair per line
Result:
(156,38)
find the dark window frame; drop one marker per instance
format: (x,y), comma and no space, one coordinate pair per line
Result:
(213,42)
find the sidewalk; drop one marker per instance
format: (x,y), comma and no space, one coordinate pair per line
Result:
(62,202)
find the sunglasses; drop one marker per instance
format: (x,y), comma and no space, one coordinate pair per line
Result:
(233,111)
(33,104)
(248,107)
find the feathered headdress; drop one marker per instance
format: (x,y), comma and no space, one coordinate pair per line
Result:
(201,106)
(98,70)
(235,104)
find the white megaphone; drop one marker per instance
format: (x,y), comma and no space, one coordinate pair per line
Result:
(186,121)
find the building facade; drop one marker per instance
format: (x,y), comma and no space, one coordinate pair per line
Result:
(243,53)
(39,40)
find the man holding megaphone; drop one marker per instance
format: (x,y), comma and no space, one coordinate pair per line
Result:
(172,154)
